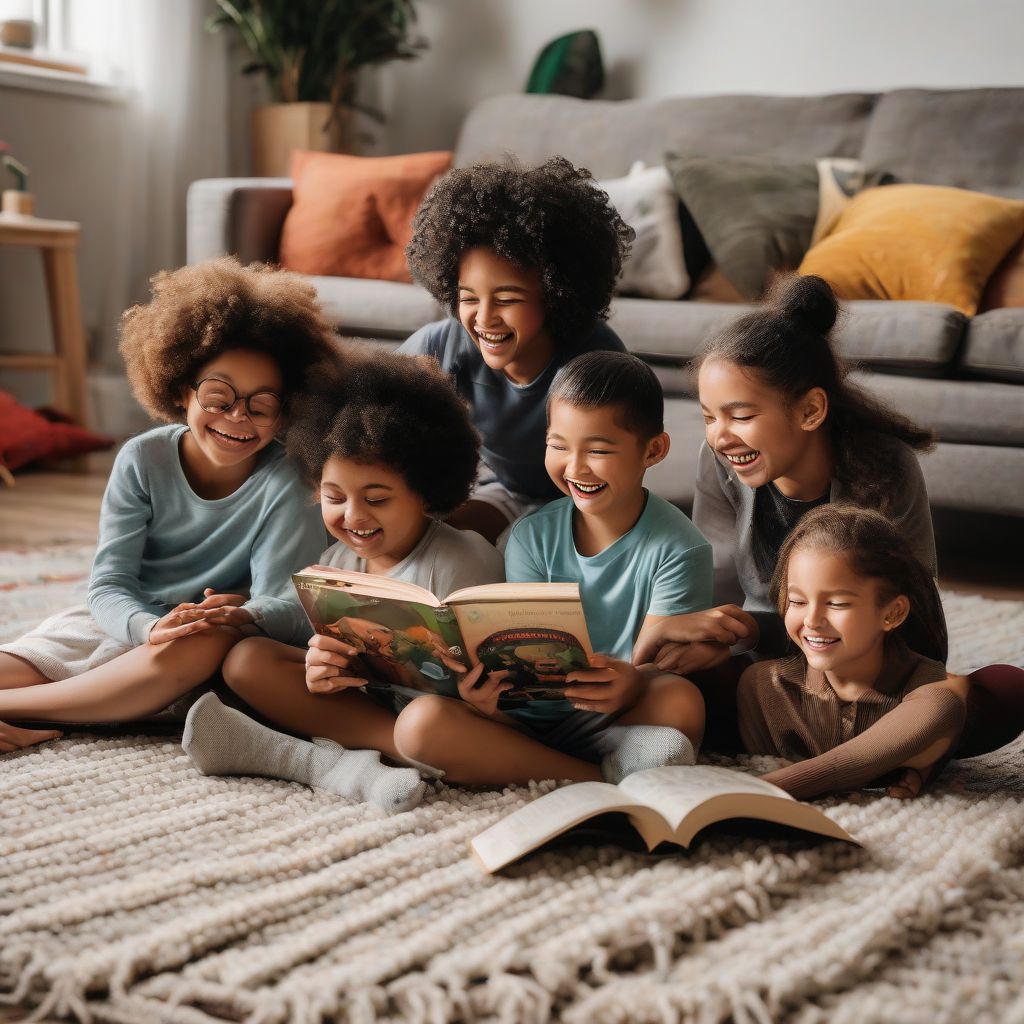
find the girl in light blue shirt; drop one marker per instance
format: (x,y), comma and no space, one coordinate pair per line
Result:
(202,522)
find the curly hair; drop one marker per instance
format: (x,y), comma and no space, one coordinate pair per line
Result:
(401,412)
(875,549)
(787,341)
(552,218)
(201,311)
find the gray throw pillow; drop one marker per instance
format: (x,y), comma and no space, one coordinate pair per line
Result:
(756,216)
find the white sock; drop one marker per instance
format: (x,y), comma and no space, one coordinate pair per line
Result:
(223,741)
(632,748)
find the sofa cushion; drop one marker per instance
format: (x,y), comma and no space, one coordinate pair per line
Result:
(922,336)
(917,242)
(375,309)
(607,136)
(756,215)
(995,345)
(351,216)
(970,138)
(646,201)
(1006,285)
(970,412)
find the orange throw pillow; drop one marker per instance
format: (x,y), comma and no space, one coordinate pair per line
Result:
(351,216)
(1006,286)
(923,243)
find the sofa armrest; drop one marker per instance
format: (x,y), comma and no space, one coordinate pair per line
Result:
(240,216)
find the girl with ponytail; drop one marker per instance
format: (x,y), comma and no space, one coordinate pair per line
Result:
(786,432)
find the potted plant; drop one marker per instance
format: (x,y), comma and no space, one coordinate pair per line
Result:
(15,200)
(312,53)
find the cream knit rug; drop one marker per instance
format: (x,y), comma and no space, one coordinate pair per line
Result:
(132,889)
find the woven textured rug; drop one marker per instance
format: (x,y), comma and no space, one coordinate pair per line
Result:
(132,889)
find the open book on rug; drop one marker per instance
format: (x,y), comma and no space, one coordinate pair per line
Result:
(412,639)
(665,805)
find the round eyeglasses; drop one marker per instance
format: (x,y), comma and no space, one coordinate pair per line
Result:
(217,396)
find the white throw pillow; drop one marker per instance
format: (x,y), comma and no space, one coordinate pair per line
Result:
(647,202)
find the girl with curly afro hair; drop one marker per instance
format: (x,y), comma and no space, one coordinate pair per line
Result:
(389,449)
(524,260)
(203,519)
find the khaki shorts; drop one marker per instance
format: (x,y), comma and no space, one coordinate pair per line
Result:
(66,644)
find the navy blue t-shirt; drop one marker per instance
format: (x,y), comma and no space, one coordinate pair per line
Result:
(510,418)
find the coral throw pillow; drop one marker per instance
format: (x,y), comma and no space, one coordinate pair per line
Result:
(923,243)
(1006,286)
(351,216)
(27,436)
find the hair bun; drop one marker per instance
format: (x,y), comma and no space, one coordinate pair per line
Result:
(806,300)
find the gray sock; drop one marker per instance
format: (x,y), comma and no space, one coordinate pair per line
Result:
(223,741)
(632,748)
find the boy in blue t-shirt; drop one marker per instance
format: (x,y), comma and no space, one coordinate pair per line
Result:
(636,558)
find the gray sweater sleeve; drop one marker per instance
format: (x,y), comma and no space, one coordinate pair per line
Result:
(910,510)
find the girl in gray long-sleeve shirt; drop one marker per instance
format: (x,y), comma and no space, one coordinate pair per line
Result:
(202,522)
(786,432)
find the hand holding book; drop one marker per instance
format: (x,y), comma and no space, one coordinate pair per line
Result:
(608,686)
(483,690)
(331,665)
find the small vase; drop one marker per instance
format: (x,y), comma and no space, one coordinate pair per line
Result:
(15,201)
(278,128)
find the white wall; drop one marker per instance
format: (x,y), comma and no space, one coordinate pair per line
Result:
(73,147)
(656,48)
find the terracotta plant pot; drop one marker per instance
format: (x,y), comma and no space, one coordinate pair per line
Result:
(278,128)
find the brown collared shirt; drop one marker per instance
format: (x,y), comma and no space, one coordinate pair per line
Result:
(790,710)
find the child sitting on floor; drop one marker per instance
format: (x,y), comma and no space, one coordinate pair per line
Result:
(636,558)
(202,521)
(389,448)
(867,693)
(525,260)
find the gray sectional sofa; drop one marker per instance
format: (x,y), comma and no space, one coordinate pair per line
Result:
(965,377)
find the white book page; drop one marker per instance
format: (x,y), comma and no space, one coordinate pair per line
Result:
(367,584)
(676,791)
(511,593)
(549,816)
(692,797)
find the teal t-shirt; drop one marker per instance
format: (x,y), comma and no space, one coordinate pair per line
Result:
(662,566)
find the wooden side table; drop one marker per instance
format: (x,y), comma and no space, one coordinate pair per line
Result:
(58,240)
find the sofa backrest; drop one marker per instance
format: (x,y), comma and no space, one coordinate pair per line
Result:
(608,136)
(968,138)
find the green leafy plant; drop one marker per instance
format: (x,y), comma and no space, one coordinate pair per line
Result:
(313,50)
(16,167)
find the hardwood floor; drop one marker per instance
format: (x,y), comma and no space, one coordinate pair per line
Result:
(54,507)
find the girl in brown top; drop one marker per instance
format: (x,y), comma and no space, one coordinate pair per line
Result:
(867,694)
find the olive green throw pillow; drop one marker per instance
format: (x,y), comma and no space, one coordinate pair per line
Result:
(756,216)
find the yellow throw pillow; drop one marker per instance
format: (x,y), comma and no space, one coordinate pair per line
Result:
(923,243)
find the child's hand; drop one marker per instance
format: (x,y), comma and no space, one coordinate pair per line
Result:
(329,665)
(682,659)
(728,624)
(483,692)
(184,620)
(609,685)
(226,609)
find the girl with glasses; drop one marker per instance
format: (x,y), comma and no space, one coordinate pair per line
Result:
(203,519)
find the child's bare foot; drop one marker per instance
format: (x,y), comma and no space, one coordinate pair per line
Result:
(13,738)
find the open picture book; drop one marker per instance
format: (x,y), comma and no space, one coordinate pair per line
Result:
(665,805)
(408,638)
